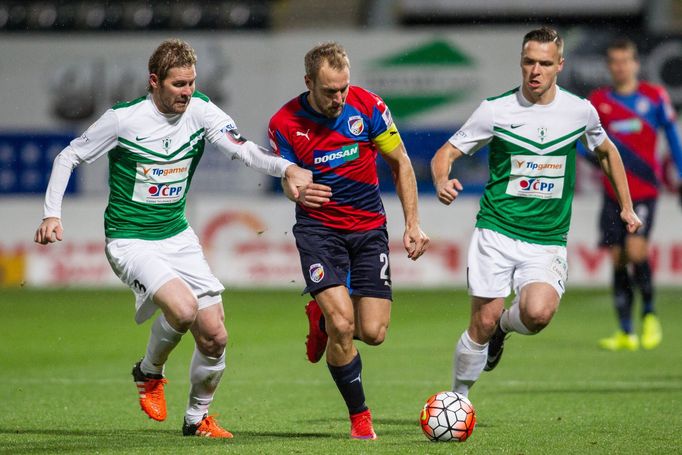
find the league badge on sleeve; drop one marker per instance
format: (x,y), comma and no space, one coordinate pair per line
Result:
(386,115)
(232,134)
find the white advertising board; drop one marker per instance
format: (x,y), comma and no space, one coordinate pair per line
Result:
(248,243)
(67,82)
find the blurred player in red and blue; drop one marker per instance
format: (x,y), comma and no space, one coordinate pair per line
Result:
(632,112)
(336,130)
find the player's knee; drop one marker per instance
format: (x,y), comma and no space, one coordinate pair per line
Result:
(340,328)
(483,327)
(213,346)
(636,257)
(183,315)
(374,335)
(538,318)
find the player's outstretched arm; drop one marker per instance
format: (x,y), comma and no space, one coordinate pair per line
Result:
(49,231)
(612,166)
(447,189)
(415,241)
(235,146)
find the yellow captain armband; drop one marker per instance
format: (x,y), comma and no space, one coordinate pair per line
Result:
(388,140)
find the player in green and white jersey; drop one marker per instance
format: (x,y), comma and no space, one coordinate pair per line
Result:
(519,242)
(154,144)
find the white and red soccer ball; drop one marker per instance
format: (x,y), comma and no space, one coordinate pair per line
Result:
(448,416)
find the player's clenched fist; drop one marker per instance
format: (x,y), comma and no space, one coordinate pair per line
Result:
(49,231)
(631,220)
(448,191)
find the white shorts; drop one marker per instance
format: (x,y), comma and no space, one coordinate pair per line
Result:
(146,265)
(497,264)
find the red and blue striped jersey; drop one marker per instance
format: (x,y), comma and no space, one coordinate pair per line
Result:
(632,122)
(341,152)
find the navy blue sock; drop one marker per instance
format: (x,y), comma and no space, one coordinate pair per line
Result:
(642,277)
(622,294)
(348,380)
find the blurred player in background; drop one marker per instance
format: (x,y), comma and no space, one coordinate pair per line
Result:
(336,130)
(632,112)
(519,242)
(154,144)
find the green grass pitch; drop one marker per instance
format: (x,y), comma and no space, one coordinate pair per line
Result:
(65,384)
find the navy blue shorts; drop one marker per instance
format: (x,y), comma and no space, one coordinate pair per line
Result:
(357,260)
(613,230)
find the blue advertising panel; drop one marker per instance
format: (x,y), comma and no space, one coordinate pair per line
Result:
(26,161)
(421,145)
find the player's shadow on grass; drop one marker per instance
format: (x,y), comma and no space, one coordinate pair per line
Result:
(380,421)
(154,433)
(283,434)
(91,441)
(98,433)
(80,441)
(384,426)
(595,390)
(414,421)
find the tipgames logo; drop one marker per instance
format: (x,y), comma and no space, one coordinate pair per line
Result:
(422,78)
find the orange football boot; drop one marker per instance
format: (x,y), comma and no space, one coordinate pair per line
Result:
(150,391)
(207,428)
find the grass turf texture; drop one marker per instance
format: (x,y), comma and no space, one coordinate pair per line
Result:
(65,384)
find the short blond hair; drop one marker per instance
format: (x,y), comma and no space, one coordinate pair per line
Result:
(545,35)
(172,53)
(331,52)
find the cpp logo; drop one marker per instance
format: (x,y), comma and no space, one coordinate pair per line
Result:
(536,185)
(162,190)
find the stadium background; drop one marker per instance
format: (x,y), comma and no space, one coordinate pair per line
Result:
(64,63)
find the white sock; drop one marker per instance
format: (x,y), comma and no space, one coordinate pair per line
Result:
(204,376)
(470,358)
(162,340)
(511,320)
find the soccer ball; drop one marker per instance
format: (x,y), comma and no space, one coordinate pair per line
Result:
(448,416)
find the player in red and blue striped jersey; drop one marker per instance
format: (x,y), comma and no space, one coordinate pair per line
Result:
(632,112)
(341,151)
(336,130)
